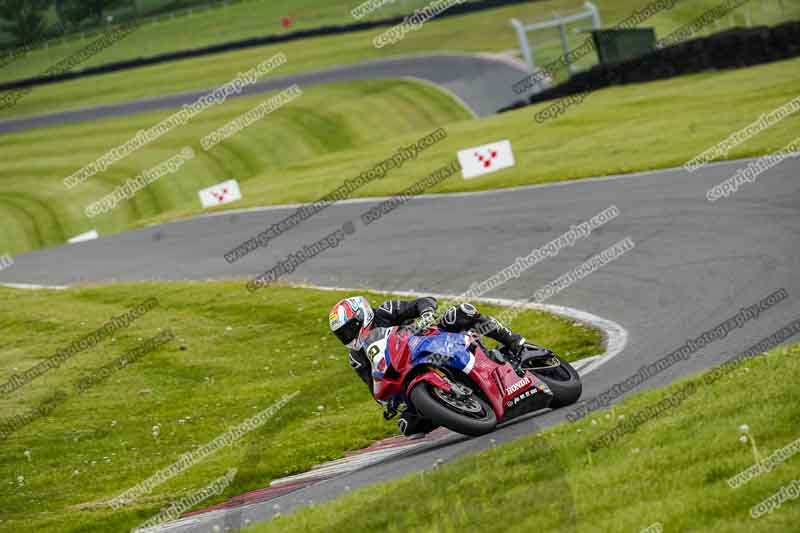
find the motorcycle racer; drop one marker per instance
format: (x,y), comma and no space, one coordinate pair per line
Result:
(356,325)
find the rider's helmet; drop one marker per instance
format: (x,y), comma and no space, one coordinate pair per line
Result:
(351,321)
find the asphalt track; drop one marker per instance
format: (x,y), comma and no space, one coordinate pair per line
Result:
(695,265)
(482,82)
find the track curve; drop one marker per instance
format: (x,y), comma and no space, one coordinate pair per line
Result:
(695,264)
(481,82)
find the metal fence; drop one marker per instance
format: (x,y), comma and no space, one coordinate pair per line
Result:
(536,39)
(589,12)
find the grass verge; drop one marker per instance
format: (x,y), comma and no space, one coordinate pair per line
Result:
(37,210)
(226,23)
(304,151)
(234,355)
(479,32)
(672,470)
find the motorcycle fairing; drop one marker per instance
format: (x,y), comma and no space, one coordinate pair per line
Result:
(443,349)
(521,394)
(508,394)
(378,355)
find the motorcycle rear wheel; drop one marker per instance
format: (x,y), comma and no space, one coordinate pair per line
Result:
(563,380)
(475,418)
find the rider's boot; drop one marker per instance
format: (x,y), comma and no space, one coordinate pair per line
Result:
(412,425)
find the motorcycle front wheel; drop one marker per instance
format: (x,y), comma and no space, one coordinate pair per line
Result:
(469,416)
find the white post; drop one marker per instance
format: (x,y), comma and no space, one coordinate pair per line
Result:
(524,45)
(597,23)
(562,28)
(522,30)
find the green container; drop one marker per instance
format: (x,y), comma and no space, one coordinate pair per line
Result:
(615,46)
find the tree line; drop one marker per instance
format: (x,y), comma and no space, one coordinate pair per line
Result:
(27,20)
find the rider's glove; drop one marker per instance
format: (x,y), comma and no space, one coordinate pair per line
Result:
(517,347)
(428,317)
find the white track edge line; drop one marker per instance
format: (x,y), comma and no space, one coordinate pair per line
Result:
(33,287)
(286,78)
(465,194)
(615,337)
